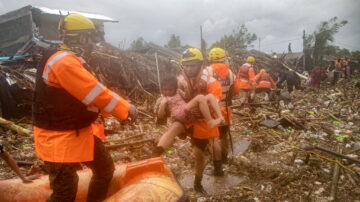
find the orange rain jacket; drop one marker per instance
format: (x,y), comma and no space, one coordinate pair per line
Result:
(222,73)
(203,84)
(246,76)
(65,70)
(264,80)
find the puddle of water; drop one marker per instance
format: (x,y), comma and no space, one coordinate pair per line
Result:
(241,146)
(212,185)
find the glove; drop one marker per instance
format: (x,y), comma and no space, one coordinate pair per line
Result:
(132,112)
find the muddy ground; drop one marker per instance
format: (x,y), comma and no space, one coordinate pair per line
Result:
(267,164)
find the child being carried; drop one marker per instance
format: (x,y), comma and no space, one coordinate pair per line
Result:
(181,111)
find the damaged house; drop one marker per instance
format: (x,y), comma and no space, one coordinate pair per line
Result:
(22,33)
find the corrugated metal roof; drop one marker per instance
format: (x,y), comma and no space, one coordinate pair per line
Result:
(65,12)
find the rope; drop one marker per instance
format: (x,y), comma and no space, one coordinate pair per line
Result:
(273,132)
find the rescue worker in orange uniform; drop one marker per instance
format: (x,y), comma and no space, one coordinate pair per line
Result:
(264,83)
(67,101)
(246,77)
(194,80)
(230,87)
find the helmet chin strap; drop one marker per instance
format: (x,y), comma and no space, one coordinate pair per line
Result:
(80,49)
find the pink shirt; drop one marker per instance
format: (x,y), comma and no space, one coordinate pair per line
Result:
(176,106)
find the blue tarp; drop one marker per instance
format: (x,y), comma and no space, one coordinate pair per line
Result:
(14,58)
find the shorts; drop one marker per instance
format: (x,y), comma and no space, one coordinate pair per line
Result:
(182,115)
(223,130)
(199,143)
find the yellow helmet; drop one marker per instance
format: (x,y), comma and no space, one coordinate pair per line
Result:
(74,24)
(217,55)
(262,70)
(250,59)
(191,54)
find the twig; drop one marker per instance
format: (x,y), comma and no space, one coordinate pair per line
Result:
(145,114)
(334,117)
(128,144)
(144,89)
(125,139)
(12,126)
(335,177)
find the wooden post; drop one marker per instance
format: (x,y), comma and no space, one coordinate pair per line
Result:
(158,72)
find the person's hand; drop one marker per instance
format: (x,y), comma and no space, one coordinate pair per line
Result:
(132,112)
(29,179)
(163,100)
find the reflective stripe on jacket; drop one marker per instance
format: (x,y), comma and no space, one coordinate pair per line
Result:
(222,73)
(246,76)
(203,84)
(264,80)
(65,70)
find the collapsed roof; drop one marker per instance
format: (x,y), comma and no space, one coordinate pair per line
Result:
(36,25)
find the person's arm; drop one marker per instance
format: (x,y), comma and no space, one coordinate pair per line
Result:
(162,108)
(273,85)
(12,163)
(76,80)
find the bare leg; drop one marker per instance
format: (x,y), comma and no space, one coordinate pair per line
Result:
(201,102)
(216,147)
(214,105)
(167,139)
(244,97)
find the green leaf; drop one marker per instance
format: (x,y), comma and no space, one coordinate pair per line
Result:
(342,137)
(336,122)
(170,152)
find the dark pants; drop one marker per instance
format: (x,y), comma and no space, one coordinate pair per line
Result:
(336,77)
(64,179)
(290,86)
(224,137)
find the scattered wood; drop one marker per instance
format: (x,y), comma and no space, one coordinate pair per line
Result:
(334,117)
(125,139)
(12,126)
(335,178)
(312,147)
(115,146)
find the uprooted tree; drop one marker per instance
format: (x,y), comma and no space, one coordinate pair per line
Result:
(240,39)
(323,35)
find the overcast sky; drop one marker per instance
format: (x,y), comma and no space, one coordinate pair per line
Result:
(276,22)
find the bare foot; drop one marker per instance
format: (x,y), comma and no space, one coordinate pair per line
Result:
(214,122)
(222,120)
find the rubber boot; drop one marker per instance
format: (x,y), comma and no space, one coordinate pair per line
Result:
(157,152)
(197,185)
(224,158)
(218,171)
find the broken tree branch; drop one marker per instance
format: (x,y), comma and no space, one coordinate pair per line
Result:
(12,126)
(335,177)
(129,144)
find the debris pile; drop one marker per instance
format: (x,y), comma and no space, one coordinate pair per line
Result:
(272,159)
